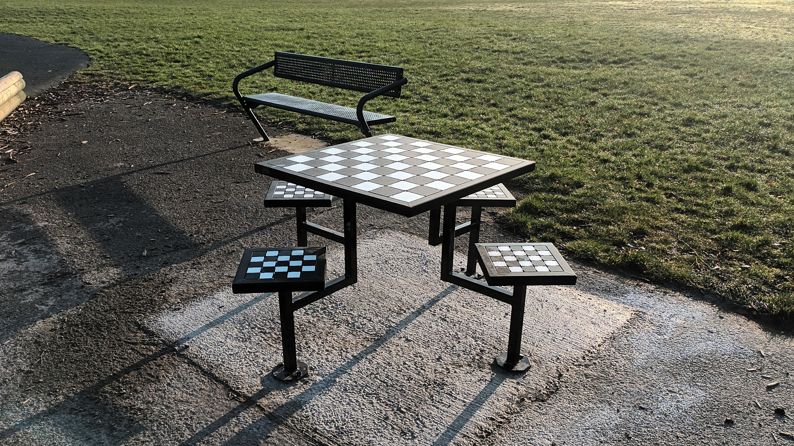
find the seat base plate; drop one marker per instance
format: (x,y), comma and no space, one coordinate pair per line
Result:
(521,366)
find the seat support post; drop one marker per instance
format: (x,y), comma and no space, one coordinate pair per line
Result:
(474,238)
(514,361)
(291,369)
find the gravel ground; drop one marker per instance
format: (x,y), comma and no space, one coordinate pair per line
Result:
(124,213)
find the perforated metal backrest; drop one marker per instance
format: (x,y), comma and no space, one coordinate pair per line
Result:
(357,76)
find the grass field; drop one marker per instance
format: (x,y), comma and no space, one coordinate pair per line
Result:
(663,131)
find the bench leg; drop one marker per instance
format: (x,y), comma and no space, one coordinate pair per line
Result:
(255,120)
(303,234)
(474,238)
(291,369)
(513,361)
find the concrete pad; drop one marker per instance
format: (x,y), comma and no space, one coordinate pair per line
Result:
(401,357)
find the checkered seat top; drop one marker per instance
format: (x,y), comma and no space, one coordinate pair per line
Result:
(524,264)
(286,194)
(494,196)
(280,269)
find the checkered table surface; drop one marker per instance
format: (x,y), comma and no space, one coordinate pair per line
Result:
(531,263)
(399,170)
(274,269)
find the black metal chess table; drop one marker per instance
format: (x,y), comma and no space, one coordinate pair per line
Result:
(398,174)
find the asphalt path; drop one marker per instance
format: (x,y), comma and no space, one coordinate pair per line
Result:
(43,65)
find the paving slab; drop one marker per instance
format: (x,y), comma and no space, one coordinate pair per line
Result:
(401,357)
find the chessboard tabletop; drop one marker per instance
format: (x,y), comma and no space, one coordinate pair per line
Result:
(396,173)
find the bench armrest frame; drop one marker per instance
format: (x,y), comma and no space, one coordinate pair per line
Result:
(371,95)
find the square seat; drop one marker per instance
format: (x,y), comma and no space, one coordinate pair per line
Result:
(286,194)
(524,264)
(494,196)
(280,269)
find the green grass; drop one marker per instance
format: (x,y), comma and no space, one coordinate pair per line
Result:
(663,131)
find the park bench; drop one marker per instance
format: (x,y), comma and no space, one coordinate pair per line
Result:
(373,79)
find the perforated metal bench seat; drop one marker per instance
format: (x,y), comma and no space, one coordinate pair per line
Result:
(316,108)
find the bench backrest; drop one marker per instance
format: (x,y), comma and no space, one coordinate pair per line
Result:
(346,74)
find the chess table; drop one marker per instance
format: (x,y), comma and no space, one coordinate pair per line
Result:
(399,174)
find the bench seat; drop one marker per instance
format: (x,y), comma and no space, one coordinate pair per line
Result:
(315,108)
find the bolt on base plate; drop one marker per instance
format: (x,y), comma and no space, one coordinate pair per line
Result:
(521,366)
(282,375)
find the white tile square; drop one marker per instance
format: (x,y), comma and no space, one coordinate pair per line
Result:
(504,248)
(494,253)
(331,176)
(454,150)
(496,166)
(332,151)
(469,175)
(363,150)
(367,186)
(525,263)
(528,248)
(406,196)
(398,166)
(403,185)
(536,258)
(300,158)
(436,175)
(458,158)
(542,269)
(500,263)
(489,157)
(516,269)
(390,137)
(298,167)
(544,253)
(427,157)
(400,175)
(362,143)
(366,176)
(392,144)
(332,158)
(551,263)
(420,144)
(431,166)
(510,258)
(332,167)
(463,166)
(364,158)
(364,166)
(440,185)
